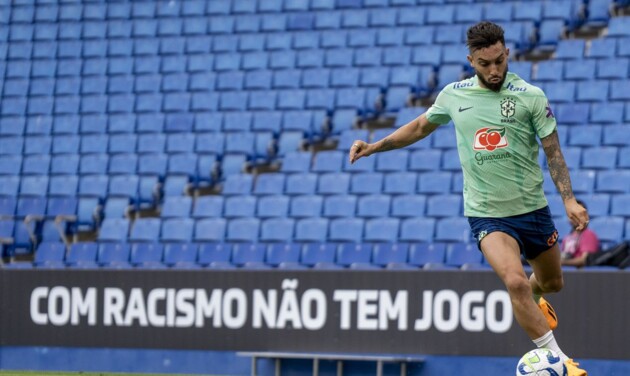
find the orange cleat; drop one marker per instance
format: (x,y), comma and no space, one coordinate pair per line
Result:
(572,368)
(549,313)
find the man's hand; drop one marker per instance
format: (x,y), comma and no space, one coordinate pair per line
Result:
(577,214)
(359,149)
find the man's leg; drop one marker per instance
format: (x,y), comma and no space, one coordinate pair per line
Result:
(547,276)
(503,254)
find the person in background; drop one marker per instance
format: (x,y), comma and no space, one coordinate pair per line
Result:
(578,245)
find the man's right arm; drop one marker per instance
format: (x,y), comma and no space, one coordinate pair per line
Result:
(409,133)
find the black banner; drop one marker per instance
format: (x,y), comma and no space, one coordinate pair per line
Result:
(427,312)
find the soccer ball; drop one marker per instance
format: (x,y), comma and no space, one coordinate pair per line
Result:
(541,362)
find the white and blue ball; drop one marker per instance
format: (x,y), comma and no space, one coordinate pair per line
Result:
(541,362)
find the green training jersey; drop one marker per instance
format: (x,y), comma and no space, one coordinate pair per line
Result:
(496,141)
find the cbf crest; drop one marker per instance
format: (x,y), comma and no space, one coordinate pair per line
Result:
(508,107)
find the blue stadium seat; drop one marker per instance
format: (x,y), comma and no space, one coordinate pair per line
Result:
(570,49)
(306,206)
(272,206)
(113,230)
(296,162)
(453,229)
(585,136)
(349,253)
(277,230)
(421,254)
(395,161)
(146,254)
(145,230)
(382,230)
(238,184)
(594,90)
(210,253)
(311,230)
(620,205)
(240,206)
(618,91)
(366,183)
(340,206)
(210,230)
(248,252)
(599,158)
(113,255)
(269,184)
(50,254)
(408,205)
(297,184)
(177,230)
(93,186)
(83,253)
(417,229)
(257,101)
(444,205)
(332,183)
(279,253)
(614,181)
(346,230)
(459,254)
(608,228)
(607,113)
(243,230)
(384,254)
(208,207)
(598,204)
(180,254)
(64,185)
(374,205)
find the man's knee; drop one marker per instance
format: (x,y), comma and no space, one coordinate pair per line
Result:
(554,284)
(518,286)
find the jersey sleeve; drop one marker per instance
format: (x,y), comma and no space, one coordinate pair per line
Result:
(543,118)
(438,113)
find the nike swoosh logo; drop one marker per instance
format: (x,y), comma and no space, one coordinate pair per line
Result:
(464,109)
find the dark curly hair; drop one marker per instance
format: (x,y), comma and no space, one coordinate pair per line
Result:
(484,34)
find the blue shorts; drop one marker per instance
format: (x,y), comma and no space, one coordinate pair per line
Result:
(534,231)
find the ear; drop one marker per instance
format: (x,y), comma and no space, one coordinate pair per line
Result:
(507,52)
(470,60)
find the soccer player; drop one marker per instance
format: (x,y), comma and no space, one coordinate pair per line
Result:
(497,117)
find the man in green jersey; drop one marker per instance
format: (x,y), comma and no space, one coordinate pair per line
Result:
(497,117)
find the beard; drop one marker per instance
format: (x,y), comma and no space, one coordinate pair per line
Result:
(493,86)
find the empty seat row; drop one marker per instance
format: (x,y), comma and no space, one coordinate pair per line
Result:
(121,126)
(585,69)
(22,18)
(94,70)
(185,102)
(285,229)
(316,78)
(228,255)
(586,91)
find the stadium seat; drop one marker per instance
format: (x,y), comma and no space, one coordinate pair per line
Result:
(113,255)
(273,206)
(50,254)
(340,206)
(373,205)
(608,228)
(240,206)
(301,184)
(247,252)
(177,230)
(277,230)
(311,230)
(306,206)
(82,254)
(421,254)
(145,230)
(331,183)
(382,230)
(180,253)
(459,254)
(453,229)
(278,253)
(146,254)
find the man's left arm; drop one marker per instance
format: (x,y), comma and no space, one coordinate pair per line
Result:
(560,174)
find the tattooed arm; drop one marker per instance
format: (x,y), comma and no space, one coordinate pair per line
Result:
(409,133)
(560,175)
